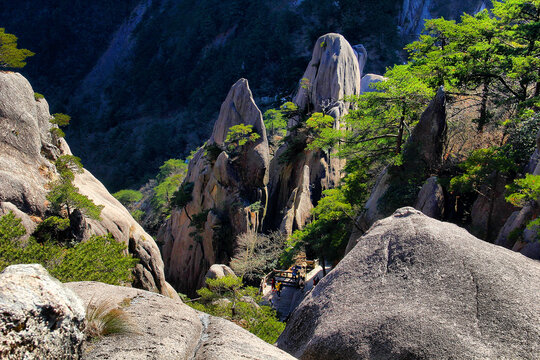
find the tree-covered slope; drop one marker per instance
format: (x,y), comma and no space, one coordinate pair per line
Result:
(143,79)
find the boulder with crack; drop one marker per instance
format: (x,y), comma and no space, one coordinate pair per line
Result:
(164,329)
(417,288)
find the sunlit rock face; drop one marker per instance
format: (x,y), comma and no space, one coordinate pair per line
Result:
(28,152)
(417,288)
(229,196)
(296,185)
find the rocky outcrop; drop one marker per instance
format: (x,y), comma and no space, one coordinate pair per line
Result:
(40,318)
(518,220)
(362,56)
(488,215)
(332,74)
(225,190)
(27,165)
(413,13)
(217,271)
(164,329)
(431,199)
(25,142)
(428,136)
(367,80)
(297,183)
(417,288)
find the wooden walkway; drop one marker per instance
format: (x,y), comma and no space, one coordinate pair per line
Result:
(291,296)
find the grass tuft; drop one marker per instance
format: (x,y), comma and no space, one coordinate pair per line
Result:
(104,318)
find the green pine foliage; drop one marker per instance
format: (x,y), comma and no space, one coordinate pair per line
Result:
(239,136)
(53,229)
(224,298)
(100,258)
(479,169)
(526,191)
(275,122)
(490,59)
(321,132)
(11,230)
(137,214)
(60,119)
(163,192)
(183,195)
(492,55)
(64,194)
(329,231)
(171,175)
(128,197)
(171,167)
(10,55)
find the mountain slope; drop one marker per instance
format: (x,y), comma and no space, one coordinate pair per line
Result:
(143,79)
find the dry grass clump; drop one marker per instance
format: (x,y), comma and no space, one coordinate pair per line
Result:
(105,318)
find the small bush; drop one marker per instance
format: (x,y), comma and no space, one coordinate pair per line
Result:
(38,96)
(171,167)
(101,258)
(57,132)
(137,214)
(53,229)
(238,136)
(183,195)
(224,298)
(60,119)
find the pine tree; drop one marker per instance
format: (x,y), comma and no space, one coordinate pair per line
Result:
(10,56)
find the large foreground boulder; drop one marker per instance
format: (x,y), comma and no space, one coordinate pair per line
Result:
(163,329)
(39,317)
(417,288)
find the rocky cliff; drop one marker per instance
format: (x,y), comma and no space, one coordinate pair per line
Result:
(234,193)
(27,165)
(333,73)
(417,288)
(229,196)
(141,69)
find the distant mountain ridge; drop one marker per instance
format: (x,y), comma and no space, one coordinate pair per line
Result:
(143,79)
